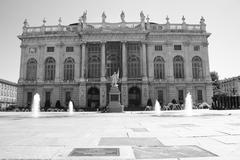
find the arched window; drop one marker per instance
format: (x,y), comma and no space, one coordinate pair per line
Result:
(94,67)
(178,67)
(31,69)
(50,66)
(159,68)
(134,67)
(197,67)
(69,69)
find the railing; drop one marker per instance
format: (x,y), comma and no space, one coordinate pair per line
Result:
(115,26)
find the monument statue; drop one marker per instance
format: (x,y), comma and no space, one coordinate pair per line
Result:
(114,95)
(122,16)
(115,78)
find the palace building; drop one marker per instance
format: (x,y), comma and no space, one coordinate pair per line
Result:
(155,60)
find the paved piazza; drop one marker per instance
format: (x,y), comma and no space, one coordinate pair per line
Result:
(207,135)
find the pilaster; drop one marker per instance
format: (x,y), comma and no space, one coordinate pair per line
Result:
(103,60)
(22,63)
(187,61)
(144,62)
(40,66)
(77,69)
(20,96)
(169,61)
(124,94)
(209,93)
(124,62)
(206,60)
(103,95)
(83,65)
(59,63)
(172,93)
(145,94)
(82,95)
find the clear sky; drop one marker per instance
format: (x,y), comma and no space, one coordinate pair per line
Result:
(222,19)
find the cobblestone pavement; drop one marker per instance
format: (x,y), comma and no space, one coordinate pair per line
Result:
(207,135)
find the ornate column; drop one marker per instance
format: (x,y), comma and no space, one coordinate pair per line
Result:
(83,61)
(144,61)
(22,63)
(103,60)
(124,61)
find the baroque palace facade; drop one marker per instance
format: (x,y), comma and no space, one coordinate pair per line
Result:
(156,61)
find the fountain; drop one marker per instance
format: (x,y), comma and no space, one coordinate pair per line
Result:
(70,108)
(157,107)
(188,105)
(36,105)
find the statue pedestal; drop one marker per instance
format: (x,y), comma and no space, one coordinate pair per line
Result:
(114,100)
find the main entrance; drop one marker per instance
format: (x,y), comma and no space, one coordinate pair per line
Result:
(134,99)
(93,99)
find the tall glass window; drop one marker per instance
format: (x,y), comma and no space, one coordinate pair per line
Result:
(69,69)
(31,69)
(94,61)
(159,68)
(178,67)
(113,60)
(197,67)
(134,68)
(50,66)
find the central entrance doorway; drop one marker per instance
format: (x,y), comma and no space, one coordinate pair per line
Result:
(93,99)
(134,99)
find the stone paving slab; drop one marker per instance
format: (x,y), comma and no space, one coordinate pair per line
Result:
(170,152)
(28,152)
(129,141)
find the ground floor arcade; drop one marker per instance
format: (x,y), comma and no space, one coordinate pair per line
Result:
(134,96)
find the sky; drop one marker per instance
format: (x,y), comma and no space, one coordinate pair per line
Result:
(222,20)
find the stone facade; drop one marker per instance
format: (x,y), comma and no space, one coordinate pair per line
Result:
(155,61)
(8,93)
(230,86)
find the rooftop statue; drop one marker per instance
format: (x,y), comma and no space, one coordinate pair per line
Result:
(122,16)
(142,16)
(104,17)
(84,17)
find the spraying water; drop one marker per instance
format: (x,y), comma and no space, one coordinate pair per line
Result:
(36,105)
(157,107)
(188,105)
(70,108)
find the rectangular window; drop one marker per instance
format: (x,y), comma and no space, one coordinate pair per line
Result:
(67,97)
(29,98)
(177,47)
(69,49)
(199,96)
(48,96)
(196,48)
(50,49)
(160,96)
(158,47)
(180,96)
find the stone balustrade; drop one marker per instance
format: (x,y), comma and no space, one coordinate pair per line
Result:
(128,26)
